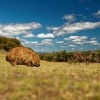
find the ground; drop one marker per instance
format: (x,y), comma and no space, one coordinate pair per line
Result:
(50,81)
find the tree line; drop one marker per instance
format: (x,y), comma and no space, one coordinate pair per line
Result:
(72,57)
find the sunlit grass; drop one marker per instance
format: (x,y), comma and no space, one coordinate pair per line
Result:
(50,81)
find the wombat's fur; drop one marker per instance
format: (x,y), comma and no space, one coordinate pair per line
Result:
(23,56)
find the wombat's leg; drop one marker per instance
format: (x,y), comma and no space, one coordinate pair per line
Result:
(28,64)
(13,63)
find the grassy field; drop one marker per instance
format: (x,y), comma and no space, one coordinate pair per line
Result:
(50,81)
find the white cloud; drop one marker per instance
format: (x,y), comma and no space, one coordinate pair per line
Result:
(59,42)
(62,46)
(69,28)
(42,35)
(26,42)
(29,35)
(52,28)
(17,37)
(94,42)
(72,28)
(35,42)
(98,44)
(17,29)
(97,14)
(79,38)
(47,42)
(73,37)
(70,17)
(71,45)
(76,39)
(66,39)
(30,43)
(93,38)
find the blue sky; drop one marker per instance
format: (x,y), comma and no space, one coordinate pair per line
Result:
(52,25)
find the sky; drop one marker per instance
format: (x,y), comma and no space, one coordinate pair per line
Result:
(52,25)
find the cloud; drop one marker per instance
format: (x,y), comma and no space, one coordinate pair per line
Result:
(19,28)
(93,38)
(29,35)
(98,44)
(76,39)
(66,39)
(79,40)
(30,43)
(59,42)
(42,35)
(97,14)
(69,28)
(69,18)
(72,27)
(47,42)
(62,46)
(71,45)
(52,28)
(94,42)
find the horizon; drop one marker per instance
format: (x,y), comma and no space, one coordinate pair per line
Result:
(52,25)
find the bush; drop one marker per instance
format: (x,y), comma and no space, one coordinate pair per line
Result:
(63,56)
(8,43)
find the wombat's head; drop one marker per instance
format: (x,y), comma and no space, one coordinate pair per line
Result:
(36,61)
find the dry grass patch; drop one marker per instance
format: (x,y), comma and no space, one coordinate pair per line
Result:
(50,81)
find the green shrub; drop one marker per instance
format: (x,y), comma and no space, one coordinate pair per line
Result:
(9,43)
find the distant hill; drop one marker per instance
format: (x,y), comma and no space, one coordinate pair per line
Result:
(7,43)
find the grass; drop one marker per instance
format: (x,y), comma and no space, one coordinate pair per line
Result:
(50,81)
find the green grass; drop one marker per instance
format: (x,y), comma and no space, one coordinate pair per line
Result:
(50,81)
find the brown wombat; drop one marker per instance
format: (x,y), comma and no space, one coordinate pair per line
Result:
(23,56)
